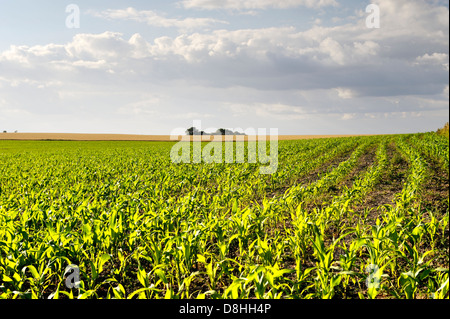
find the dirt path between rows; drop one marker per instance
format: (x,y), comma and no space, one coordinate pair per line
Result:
(315,174)
(390,184)
(363,163)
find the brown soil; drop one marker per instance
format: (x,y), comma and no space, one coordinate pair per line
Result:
(363,163)
(435,191)
(315,174)
(390,184)
(326,167)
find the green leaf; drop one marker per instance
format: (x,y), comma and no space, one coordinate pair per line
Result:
(201,259)
(161,276)
(142,277)
(6,279)
(87,294)
(33,271)
(101,262)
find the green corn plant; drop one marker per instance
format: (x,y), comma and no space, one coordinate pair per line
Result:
(440,289)
(269,252)
(443,224)
(347,261)
(431,228)
(213,270)
(236,290)
(262,281)
(118,292)
(96,267)
(326,279)
(39,280)
(409,282)
(379,250)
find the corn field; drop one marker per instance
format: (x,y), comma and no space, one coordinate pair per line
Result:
(343,218)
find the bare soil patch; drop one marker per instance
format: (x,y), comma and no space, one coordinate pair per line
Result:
(435,191)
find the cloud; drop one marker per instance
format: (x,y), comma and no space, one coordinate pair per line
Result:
(345,93)
(348,116)
(270,111)
(107,46)
(285,58)
(434,59)
(143,107)
(355,60)
(153,19)
(255,4)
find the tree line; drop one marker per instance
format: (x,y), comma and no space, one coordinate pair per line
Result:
(220,131)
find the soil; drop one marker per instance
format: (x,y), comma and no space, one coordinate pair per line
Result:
(390,184)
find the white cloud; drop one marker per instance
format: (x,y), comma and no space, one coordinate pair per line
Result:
(345,93)
(348,116)
(363,61)
(107,45)
(255,4)
(264,44)
(153,19)
(434,59)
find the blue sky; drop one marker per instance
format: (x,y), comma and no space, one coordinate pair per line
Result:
(37,22)
(148,67)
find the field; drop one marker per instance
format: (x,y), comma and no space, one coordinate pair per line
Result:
(128,137)
(349,217)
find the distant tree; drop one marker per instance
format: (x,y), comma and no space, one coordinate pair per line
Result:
(192,131)
(5,132)
(220,131)
(230,132)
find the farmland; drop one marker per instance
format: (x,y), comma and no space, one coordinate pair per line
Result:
(350,217)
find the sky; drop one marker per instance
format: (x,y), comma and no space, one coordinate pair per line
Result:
(150,67)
